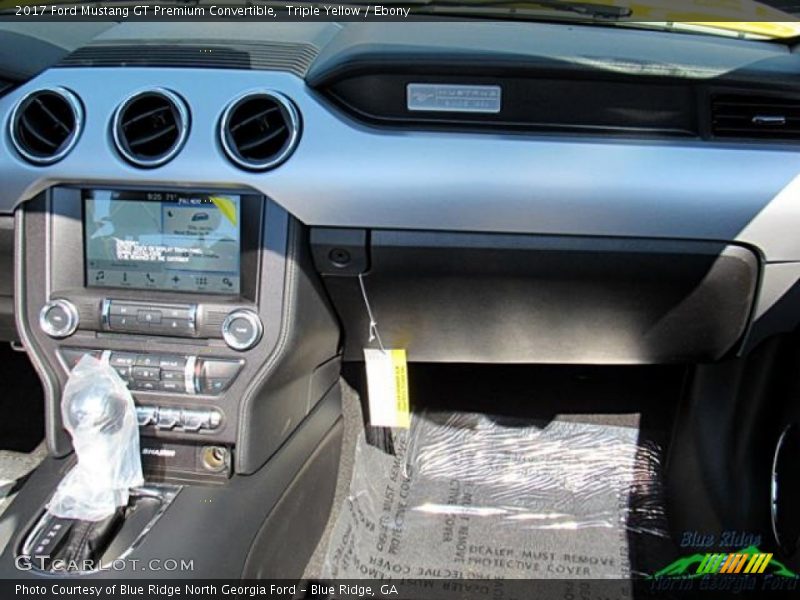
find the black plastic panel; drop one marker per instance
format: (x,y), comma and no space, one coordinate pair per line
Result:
(531,101)
(543,299)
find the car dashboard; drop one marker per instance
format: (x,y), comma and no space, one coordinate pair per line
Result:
(466,182)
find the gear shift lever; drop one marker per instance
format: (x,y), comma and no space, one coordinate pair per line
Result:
(98,411)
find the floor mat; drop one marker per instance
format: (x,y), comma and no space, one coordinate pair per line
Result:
(468,496)
(13,466)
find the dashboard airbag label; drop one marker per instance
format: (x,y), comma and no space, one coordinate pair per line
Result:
(437,97)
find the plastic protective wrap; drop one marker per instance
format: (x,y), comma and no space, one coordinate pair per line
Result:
(469,496)
(98,411)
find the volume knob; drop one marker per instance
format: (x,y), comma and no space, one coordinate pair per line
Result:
(59,318)
(242,329)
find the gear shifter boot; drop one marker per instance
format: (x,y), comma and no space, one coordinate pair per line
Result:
(98,411)
(74,545)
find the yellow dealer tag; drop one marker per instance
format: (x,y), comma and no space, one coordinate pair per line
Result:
(387,386)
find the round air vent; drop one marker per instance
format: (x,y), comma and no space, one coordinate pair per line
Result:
(46,124)
(260,130)
(150,127)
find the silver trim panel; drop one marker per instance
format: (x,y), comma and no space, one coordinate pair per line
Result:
(346,174)
(190,376)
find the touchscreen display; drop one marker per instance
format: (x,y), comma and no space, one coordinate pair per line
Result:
(182,242)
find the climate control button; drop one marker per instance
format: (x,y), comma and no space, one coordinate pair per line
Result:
(166,373)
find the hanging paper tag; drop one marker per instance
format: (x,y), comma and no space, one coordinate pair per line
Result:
(387,386)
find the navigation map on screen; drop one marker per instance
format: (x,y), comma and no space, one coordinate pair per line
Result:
(163,240)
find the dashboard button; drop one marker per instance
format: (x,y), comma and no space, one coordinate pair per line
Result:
(149,373)
(119,308)
(144,385)
(168,417)
(195,419)
(146,415)
(149,316)
(122,359)
(124,372)
(213,386)
(126,323)
(171,325)
(173,376)
(178,387)
(147,360)
(177,363)
(220,369)
(177,313)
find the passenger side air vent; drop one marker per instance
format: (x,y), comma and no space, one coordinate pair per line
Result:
(150,128)
(46,124)
(756,117)
(260,130)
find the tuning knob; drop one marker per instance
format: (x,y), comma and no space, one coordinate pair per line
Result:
(242,329)
(59,318)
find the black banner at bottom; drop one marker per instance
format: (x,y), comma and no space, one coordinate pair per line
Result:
(712,586)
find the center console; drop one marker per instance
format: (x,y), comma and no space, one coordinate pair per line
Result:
(203,303)
(207,305)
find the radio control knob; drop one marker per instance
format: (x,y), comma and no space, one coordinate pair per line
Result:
(242,329)
(59,318)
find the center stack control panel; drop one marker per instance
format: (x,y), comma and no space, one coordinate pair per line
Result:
(96,277)
(175,374)
(177,393)
(241,328)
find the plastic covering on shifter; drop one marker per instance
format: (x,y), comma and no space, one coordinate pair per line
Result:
(469,496)
(98,411)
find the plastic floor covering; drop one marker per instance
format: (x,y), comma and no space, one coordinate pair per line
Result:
(468,496)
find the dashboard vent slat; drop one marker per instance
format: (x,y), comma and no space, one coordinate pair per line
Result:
(259,130)
(150,128)
(45,125)
(272,56)
(749,116)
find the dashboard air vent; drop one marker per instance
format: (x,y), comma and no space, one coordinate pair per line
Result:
(756,117)
(260,130)
(46,124)
(150,127)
